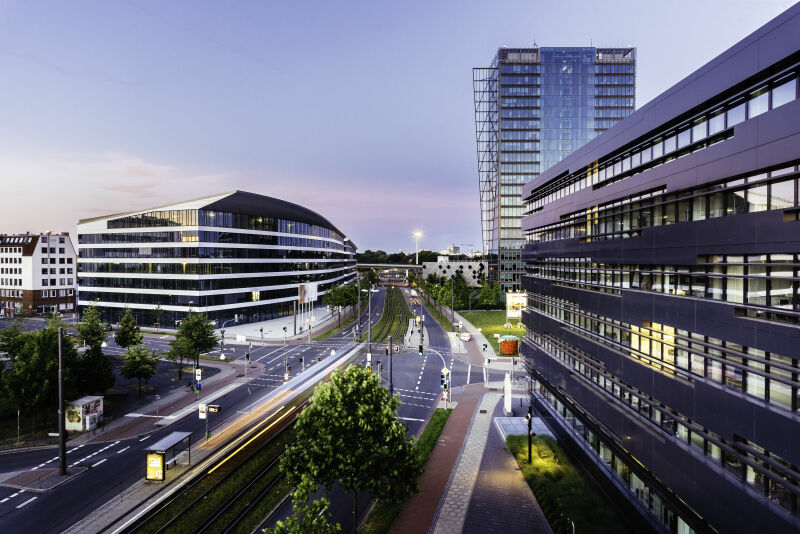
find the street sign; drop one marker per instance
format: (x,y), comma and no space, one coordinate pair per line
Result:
(202,411)
(53,434)
(397,348)
(197,374)
(214,408)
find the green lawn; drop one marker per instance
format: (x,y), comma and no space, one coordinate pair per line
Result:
(491,323)
(382,517)
(561,490)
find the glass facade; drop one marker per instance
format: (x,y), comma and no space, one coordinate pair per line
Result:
(229,265)
(533,107)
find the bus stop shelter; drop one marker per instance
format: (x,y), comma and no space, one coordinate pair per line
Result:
(164,454)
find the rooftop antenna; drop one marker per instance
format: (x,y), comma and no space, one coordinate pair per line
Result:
(534,42)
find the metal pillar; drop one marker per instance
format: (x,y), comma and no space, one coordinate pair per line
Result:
(391,351)
(62,432)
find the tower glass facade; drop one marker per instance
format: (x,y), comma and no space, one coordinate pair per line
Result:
(534,106)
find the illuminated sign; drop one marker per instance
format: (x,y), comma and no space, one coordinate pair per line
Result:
(515,303)
(155,466)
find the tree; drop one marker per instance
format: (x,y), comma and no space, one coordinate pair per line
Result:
(157,313)
(139,364)
(91,330)
(490,294)
(351,435)
(198,333)
(95,373)
(334,298)
(128,333)
(180,353)
(307,519)
(31,378)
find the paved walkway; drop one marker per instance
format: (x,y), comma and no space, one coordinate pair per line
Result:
(501,499)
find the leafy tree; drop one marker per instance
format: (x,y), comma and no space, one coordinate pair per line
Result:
(91,330)
(158,312)
(351,435)
(31,379)
(307,519)
(334,298)
(139,364)
(198,333)
(491,295)
(96,374)
(180,353)
(128,333)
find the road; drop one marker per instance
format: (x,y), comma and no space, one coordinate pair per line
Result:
(110,467)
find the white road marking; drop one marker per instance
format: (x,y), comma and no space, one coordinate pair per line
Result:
(144,438)
(123,450)
(4,500)
(100,462)
(410,419)
(26,502)
(469,370)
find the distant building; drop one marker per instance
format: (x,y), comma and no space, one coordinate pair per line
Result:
(663,281)
(236,256)
(451,250)
(533,106)
(37,274)
(470,270)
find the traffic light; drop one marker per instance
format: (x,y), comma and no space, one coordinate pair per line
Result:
(442,380)
(484,347)
(247,357)
(301,360)
(284,329)
(420,350)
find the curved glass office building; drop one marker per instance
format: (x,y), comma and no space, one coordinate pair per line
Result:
(234,256)
(663,280)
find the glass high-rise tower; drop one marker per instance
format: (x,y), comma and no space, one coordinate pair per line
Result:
(533,107)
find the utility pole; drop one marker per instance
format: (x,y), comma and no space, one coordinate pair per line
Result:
(358,298)
(62,432)
(369,321)
(391,350)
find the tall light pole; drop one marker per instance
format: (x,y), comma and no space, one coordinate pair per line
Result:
(417,235)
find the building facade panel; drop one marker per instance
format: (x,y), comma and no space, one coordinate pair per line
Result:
(663,279)
(237,257)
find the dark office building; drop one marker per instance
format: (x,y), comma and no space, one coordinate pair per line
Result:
(663,279)
(236,256)
(533,106)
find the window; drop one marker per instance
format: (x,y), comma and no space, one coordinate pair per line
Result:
(716,123)
(782,195)
(783,93)
(699,130)
(61,250)
(685,137)
(736,114)
(44,281)
(758,103)
(44,250)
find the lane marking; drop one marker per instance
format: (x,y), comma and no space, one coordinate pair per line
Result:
(100,462)
(28,501)
(410,419)
(123,450)
(4,500)
(144,438)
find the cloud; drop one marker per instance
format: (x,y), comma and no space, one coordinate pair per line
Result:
(53,191)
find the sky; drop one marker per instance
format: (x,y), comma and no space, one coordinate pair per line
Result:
(361,111)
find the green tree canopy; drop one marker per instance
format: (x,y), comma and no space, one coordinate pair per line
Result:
(31,377)
(351,435)
(95,372)
(128,333)
(198,334)
(139,364)
(91,330)
(490,295)
(180,353)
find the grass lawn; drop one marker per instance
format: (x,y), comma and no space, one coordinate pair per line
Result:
(561,490)
(382,517)
(491,322)
(345,323)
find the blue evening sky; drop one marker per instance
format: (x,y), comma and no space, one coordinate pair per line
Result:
(361,111)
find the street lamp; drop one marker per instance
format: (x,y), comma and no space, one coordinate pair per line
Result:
(369,317)
(417,235)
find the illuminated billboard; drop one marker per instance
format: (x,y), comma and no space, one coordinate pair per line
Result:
(155,466)
(515,303)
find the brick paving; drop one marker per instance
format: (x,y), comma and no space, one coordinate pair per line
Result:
(453,507)
(419,511)
(501,499)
